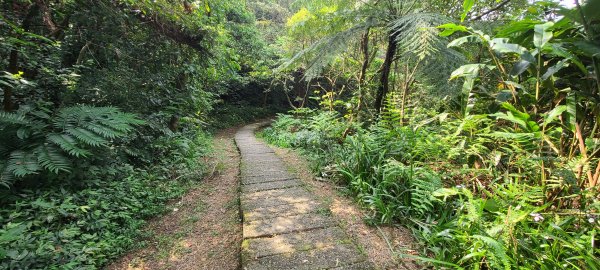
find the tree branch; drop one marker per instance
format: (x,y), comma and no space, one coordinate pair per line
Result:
(499,6)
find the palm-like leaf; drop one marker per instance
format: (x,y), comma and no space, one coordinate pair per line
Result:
(34,140)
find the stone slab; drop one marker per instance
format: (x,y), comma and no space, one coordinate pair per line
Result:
(325,258)
(256,150)
(357,266)
(261,159)
(260,163)
(267,195)
(271,185)
(281,197)
(291,242)
(282,210)
(266,173)
(261,179)
(281,225)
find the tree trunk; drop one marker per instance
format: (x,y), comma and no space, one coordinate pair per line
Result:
(8,104)
(384,82)
(8,91)
(364,46)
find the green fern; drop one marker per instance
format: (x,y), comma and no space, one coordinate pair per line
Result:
(420,44)
(51,159)
(22,163)
(36,140)
(68,144)
(416,34)
(423,183)
(498,254)
(324,51)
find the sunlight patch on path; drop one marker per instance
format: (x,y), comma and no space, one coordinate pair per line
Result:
(285,226)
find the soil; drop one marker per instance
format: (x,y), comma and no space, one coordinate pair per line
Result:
(382,244)
(203,230)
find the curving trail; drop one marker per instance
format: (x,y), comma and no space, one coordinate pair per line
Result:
(284,225)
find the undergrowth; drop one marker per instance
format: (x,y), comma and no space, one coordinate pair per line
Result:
(463,217)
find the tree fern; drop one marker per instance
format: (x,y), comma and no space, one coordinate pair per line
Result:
(420,44)
(36,140)
(321,53)
(416,34)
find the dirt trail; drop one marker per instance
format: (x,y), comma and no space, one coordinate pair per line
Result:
(203,230)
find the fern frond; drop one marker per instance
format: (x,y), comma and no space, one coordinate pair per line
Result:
(6,177)
(324,51)
(87,137)
(50,158)
(22,163)
(423,184)
(104,131)
(56,137)
(420,44)
(68,144)
(499,256)
(12,118)
(416,34)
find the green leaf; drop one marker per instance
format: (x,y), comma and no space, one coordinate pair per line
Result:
(501,45)
(571,111)
(451,28)
(541,35)
(588,48)
(462,40)
(519,68)
(87,137)
(559,50)
(50,158)
(552,115)
(68,144)
(509,116)
(554,69)
(467,6)
(511,108)
(22,163)
(445,192)
(470,70)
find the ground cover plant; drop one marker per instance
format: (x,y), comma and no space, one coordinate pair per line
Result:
(495,166)
(107,109)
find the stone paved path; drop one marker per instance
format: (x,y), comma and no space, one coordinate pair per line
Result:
(285,226)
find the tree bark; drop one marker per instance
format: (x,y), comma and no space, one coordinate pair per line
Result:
(8,104)
(364,45)
(47,17)
(13,68)
(384,81)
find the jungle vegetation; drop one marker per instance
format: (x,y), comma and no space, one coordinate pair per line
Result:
(473,123)
(107,111)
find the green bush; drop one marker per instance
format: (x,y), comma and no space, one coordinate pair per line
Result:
(420,176)
(36,140)
(83,227)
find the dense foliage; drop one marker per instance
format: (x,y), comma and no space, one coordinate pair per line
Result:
(476,126)
(474,123)
(106,112)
